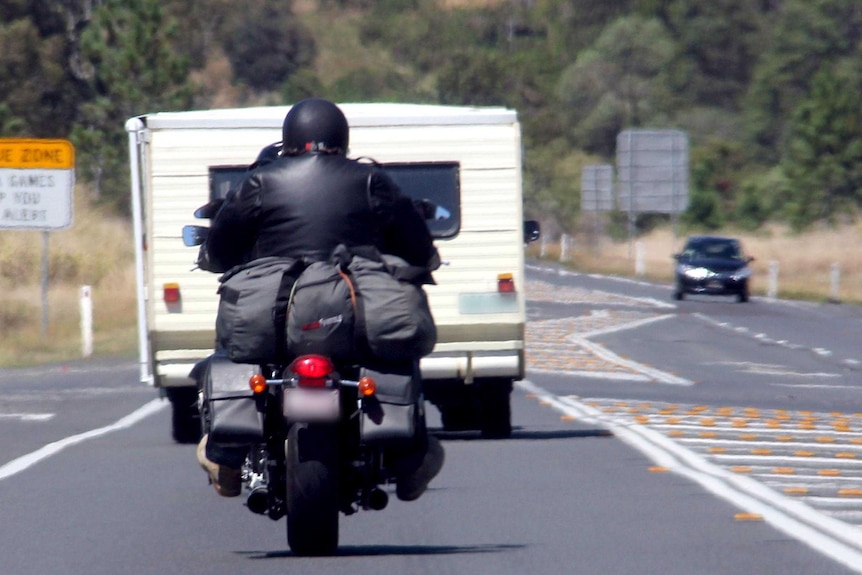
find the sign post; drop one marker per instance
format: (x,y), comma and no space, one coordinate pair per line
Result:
(37,178)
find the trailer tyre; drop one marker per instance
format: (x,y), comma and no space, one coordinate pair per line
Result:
(495,408)
(185,416)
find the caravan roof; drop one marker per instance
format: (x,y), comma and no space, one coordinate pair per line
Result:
(365,114)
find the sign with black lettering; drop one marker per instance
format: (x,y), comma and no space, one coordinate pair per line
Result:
(37,178)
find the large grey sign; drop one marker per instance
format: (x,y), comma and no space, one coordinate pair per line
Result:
(597,188)
(652,170)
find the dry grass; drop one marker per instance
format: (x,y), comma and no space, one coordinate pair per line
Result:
(805,261)
(96,251)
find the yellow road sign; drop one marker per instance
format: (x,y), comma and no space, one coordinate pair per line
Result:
(36,154)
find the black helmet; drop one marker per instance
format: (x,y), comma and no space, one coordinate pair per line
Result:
(315,125)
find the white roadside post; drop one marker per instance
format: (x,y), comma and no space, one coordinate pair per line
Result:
(86,321)
(640,259)
(772,292)
(836,283)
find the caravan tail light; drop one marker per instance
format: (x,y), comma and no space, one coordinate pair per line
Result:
(312,370)
(172,292)
(505,283)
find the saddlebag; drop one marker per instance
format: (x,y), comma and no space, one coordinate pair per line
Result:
(391,416)
(231,410)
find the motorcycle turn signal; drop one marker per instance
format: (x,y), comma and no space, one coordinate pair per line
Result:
(367,386)
(257,383)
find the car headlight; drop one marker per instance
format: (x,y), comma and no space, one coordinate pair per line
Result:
(695,273)
(741,274)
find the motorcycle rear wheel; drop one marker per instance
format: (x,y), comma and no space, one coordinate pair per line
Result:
(311,494)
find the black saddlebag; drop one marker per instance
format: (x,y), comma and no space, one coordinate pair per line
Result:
(393,414)
(232,413)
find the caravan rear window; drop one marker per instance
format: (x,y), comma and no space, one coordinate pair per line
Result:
(439,182)
(225,178)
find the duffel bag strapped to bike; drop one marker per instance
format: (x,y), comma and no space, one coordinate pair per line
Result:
(231,410)
(393,315)
(320,317)
(392,415)
(361,306)
(252,308)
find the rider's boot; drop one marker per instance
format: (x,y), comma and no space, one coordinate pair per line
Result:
(417,470)
(227,481)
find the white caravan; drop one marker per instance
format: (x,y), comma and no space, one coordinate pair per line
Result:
(466,160)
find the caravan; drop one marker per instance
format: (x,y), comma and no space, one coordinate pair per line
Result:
(467,161)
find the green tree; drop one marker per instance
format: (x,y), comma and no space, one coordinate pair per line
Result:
(133,69)
(266,44)
(804,35)
(722,40)
(620,81)
(823,158)
(34,85)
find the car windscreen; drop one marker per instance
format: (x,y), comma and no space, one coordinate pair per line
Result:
(713,249)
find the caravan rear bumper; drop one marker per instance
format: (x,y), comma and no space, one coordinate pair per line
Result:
(469,365)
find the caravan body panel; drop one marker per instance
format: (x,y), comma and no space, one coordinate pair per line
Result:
(480,330)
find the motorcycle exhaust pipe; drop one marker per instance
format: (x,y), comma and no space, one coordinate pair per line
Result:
(377,499)
(258,500)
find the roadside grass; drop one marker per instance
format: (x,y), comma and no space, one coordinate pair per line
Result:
(96,251)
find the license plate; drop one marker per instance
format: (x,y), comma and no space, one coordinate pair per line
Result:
(311,404)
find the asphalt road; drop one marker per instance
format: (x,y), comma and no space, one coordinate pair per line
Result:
(651,436)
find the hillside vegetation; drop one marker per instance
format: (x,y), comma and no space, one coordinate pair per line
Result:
(766,90)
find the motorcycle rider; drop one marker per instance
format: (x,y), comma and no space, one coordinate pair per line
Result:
(303,203)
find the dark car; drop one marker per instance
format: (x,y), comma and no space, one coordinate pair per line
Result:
(712,265)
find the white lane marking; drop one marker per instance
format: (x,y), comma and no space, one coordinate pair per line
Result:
(26,461)
(27,416)
(650,373)
(762,337)
(827,535)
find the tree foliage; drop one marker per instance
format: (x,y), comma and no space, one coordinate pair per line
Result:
(764,89)
(265,44)
(133,70)
(823,162)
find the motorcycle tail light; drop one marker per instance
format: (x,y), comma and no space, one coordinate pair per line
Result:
(257,383)
(312,370)
(505,283)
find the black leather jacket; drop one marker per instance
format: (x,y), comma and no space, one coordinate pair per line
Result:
(304,206)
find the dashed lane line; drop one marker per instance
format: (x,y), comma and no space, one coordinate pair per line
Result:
(27,416)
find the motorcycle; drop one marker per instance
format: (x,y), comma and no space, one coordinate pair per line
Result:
(330,439)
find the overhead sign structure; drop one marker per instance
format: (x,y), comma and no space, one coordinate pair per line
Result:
(37,178)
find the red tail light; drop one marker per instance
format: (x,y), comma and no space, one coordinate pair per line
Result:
(172,292)
(312,370)
(505,283)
